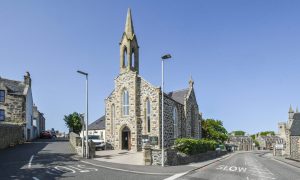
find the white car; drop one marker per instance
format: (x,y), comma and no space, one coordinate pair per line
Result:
(99,143)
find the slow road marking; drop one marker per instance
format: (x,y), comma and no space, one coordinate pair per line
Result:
(232,168)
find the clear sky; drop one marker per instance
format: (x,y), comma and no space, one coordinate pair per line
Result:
(244,56)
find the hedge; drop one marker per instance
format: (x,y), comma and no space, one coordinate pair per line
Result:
(195,146)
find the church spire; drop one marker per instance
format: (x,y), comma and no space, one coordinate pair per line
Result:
(129,48)
(297,110)
(291,109)
(129,30)
(191,82)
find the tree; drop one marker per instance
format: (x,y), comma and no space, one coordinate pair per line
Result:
(265,133)
(238,133)
(214,130)
(73,122)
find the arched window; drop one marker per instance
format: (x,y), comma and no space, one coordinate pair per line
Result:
(125,61)
(132,58)
(113,116)
(175,122)
(125,103)
(148,113)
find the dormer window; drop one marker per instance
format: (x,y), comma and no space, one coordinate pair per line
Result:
(2,95)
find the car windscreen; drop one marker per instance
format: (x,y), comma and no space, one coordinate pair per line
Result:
(93,137)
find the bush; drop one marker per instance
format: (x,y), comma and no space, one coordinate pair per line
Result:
(195,146)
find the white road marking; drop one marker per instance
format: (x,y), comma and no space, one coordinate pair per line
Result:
(35,178)
(62,167)
(80,170)
(124,170)
(30,161)
(175,176)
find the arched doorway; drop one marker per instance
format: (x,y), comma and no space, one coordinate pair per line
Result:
(126,138)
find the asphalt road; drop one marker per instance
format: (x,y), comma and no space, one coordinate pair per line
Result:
(49,159)
(246,166)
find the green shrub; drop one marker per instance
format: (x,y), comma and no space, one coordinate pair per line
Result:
(195,146)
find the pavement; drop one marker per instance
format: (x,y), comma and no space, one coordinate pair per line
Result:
(246,165)
(50,159)
(120,156)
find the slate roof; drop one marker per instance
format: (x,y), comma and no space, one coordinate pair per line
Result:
(13,87)
(99,124)
(295,128)
(179,95)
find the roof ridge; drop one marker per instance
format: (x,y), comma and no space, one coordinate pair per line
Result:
(179,90)
(1,78)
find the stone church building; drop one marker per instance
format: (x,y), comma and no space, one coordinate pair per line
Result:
(133,109)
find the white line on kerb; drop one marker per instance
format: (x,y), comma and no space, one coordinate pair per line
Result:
(175,176)
(29,164)
(35,178)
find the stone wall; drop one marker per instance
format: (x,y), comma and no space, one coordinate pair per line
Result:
(192,115)
(295,147)
(74,139)
(169,105)
(125,81)
(14,108)
(146,92)
(10,134)
(174,158)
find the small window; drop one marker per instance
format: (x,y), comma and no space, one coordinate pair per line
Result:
(148,113)
(2,115)
(2,96)
(125,103)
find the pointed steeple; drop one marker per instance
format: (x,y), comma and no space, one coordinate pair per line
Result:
(291,109)
(129,25)
(297,110)
(191,81)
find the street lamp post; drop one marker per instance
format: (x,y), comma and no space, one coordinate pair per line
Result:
(82,139)
(163,58)
(87,114)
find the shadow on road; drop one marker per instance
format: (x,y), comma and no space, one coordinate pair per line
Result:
(45,154)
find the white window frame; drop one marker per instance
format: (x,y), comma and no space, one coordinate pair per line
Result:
(125,103)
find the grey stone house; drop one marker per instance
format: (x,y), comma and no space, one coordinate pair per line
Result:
(242,143)
(291,132)
(133,109)
(16,104)
(268,142)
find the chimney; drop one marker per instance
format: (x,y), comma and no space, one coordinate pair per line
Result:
(27,79)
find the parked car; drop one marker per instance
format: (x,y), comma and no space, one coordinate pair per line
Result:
(45,134)
(99,143)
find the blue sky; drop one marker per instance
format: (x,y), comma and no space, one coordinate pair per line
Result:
(243,55)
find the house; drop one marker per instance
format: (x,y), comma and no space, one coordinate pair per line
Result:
(38,121)
(16,104)
(133,109)
(97,128)
(269,142)
(241,143)
(290,132)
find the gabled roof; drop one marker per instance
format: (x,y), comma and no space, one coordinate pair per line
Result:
(13,87)
(179,95)
(295,127)
(99,124)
